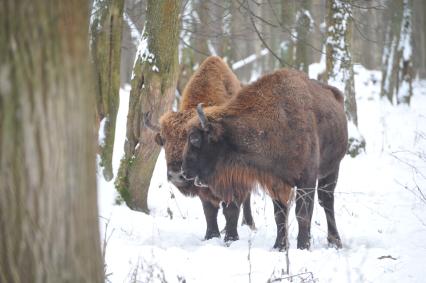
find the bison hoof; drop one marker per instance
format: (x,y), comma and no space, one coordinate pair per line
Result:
(281,247)
(211,235)
(231,238)
(303,244)
(334,242)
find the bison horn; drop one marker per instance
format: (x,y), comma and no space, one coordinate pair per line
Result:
(147,122)
(202,116)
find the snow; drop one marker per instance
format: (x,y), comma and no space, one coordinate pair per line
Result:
(380,214)
(406,33)
(340,73)
(101,135)
(249,59)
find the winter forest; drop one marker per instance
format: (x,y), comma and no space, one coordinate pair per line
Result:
(212,141)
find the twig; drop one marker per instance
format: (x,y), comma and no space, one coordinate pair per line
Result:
(249,258)
(282,62)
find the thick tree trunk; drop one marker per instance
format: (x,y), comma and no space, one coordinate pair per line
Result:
(48,207)
(153,90)
(106,33)
(339,68)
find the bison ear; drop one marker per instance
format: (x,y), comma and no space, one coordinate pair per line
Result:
(158,139)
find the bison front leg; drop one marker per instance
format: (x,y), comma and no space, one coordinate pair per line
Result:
(247,216)
(326,188)
(281,217)
(231,212)
(210,212)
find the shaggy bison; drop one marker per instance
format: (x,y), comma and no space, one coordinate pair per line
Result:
(212,84)
(282,131)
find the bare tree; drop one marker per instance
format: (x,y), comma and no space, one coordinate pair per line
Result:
(153,90)
(405,55)
(106,33)
(48,206)
(339,68)
(397,70)
(304,23)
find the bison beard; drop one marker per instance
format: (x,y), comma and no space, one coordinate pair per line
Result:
(212,84)
(282,131)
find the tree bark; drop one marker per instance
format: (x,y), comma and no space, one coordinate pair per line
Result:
(389,58)
(48,206)
(153,90)
(288,10)
(304,22)
(106,33)
(397,72)
(339,68)
(405,55)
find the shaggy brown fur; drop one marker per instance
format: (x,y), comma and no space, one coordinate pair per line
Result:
(284,130)
(212,84)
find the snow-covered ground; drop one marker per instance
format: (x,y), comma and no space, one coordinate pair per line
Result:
(380,211)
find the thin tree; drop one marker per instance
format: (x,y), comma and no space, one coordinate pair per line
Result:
(304,24)
(48,205)
(152,92)
(397,71)
(339,68)
(106,32)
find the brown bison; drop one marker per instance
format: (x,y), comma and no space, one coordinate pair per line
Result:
(212,84)
(282,131)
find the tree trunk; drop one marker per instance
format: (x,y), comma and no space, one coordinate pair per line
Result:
(48,206)
(405,55)
(419,38)
(106,33)
(304,23)
(339,68)
(389,58)
(287,19)
(153,90)
(397,72)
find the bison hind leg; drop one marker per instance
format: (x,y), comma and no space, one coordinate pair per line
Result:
(281,217)
(326,188)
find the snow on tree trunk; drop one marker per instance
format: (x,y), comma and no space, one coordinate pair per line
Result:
(339,68)
(397,54)
(48,206)
(404,54)
(106,25)
(153,88)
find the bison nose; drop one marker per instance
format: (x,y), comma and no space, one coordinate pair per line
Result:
(175,176)
(186,176)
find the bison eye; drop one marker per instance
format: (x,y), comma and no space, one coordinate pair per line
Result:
(195,139)
(159,140)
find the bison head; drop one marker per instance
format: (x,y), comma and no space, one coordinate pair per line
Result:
(171,135)
(205,146)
